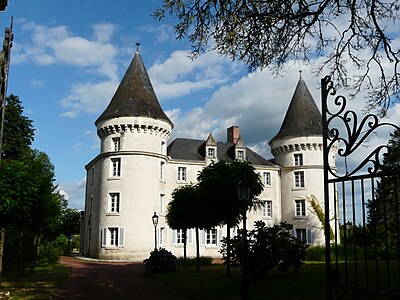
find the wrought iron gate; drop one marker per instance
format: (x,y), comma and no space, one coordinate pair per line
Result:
(362,222)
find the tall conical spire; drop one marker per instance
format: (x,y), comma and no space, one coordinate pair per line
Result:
(135,96)
(303,117)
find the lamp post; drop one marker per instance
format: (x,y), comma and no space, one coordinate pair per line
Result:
(154,218)
(244,196)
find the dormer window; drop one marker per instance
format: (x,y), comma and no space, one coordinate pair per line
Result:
(211,152)
(240,154)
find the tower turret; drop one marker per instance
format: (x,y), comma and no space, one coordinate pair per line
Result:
(126,180)
(298,150)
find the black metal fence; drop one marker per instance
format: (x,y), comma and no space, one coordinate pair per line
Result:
(361,205)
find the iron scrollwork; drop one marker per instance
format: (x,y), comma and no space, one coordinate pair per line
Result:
(355,133)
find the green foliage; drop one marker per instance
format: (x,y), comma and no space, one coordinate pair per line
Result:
(50,252)
(315,253)
(18,130)
(160,261)
(318,211)
(218,184)
(204,261)
(268,248)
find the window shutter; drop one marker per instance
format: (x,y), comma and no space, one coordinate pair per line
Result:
(309,236)
(173,237)
(220,236)
(189,236)
(103,237)
(121,236)
(294,234)
(203,237)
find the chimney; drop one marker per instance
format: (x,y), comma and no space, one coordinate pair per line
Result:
(233,134)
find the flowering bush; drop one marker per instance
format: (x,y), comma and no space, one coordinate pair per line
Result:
(160,261)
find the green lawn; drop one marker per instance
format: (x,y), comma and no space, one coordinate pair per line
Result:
(39,284)
(211,283)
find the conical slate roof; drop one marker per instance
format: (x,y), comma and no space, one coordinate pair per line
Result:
(135,96)
(303,117)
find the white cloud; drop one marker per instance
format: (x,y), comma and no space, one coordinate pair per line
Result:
(74,192)
(89,98)
(180,76)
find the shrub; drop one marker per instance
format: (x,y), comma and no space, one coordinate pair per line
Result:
(204,261)
(268,248)
(315,253)
(50,252)
(160,261)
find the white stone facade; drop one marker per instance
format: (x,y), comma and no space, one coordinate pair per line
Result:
(134,176)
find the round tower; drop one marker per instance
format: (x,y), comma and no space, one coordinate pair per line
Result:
(297,148)
(125,181)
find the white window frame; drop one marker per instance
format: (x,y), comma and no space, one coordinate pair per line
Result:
(240,154)
(267,178)
(211,237)
(304,234)
(116,167)
(114,202)
(300,208)
(182,174)
(210,152)
(299,179)
(298,159)
(267,209)
(160,235)
(116,144)
(177,236)
(162,203)
(162,170)
(112,237)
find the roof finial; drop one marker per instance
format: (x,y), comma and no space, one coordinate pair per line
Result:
(137,45)
(300,73)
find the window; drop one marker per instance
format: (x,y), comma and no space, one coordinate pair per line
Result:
(178,237)
(112,237)
(116,144)
(267,178)
(267,208)
(114,203)
(181,173)
(298,159)
(162,171)
(300,208)
(299,179)
(92,176)
(163,147)
(304,234)
(162,203)
(161,232)
(240,154)
(211,152)
(211,236)
(116,167)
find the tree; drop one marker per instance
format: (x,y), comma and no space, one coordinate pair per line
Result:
(270,33)
(70,223)
(384,208)
(185,211)
(218,184)
(18,130)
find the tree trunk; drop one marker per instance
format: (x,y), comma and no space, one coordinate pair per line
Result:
(184,245)
(197,250)
(19,265)
(228,250)
(2,240)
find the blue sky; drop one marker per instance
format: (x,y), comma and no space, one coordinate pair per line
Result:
(68,58)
